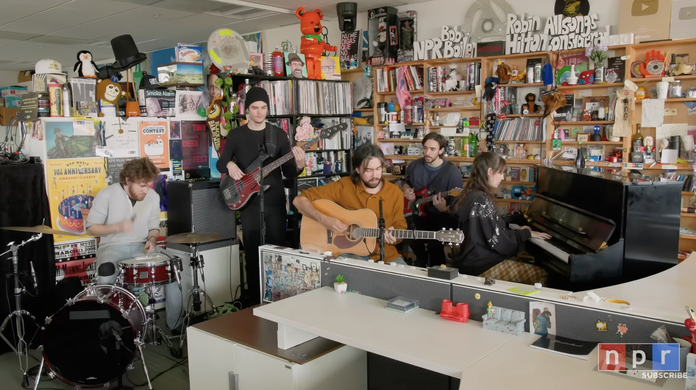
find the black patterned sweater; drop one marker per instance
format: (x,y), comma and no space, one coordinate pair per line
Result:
(487,238)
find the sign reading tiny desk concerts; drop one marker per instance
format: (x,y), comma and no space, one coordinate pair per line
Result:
(528,35)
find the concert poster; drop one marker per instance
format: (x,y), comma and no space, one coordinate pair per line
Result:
(113,168)
(72,186)
(154,142)
(76,259)
(194,145)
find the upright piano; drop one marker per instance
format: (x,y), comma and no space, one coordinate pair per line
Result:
(605,228)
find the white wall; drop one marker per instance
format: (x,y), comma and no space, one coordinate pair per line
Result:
(8,78)
(432,15)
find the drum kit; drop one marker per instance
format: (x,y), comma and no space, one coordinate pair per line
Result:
(93,338)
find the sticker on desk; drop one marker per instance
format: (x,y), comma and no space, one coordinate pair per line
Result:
(601,326)
(622,329)
(542,318)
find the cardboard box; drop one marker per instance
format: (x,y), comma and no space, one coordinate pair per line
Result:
(6,114)
(14,90)
(13,101)
(24,75)
(648,20)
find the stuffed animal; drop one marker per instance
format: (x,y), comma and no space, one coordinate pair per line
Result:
(586,77)
(312,45)
(85,66)
(530,107)
(381,42)
(108,91)
(503,72)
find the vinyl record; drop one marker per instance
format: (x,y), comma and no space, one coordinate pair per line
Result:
(635,69)
(228,50)
(655,67)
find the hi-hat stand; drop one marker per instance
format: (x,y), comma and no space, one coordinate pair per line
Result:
(21,349)
(197,263)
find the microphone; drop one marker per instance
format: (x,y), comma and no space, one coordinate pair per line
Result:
(33,274)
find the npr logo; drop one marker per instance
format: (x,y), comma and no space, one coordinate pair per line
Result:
(613,357)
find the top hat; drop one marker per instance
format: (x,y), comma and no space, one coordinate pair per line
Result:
(126,53)
(294,57)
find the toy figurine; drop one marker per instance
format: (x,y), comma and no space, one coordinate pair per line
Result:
(489,311)
(85,66)
(312,44)
(516,76)
(381,42)
(407,36)
(503,72)
(489,281)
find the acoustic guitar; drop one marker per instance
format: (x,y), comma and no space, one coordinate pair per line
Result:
(237,193)
(417,207)
(361,237)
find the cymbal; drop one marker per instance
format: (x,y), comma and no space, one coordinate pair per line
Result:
(193,238)
(39,229)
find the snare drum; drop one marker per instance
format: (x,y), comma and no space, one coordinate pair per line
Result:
(78,346)
(147,271)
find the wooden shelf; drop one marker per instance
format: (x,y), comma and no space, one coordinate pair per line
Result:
(405,124)
(522,55)
(658,167)
(665,42)
(443,61)
(402,157)
(517,142)
(398,64)
(401,140)
(349,71)
(590,86)
(450,93)
(364,110)
(394,92)
(455,109)
(687,193)
(688,215)
(590,123)
(687,237)
(521,161)
(593,143)
(523,115)
(521,85)
(656,79)
(672,100)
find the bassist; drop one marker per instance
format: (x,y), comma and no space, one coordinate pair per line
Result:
(240,152)
(436,174)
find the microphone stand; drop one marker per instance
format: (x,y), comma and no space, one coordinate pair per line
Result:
(262,157)
(119,355)
(381,224)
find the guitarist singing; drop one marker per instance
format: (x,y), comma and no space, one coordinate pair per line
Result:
(241,150)
(362,190)
(436,174)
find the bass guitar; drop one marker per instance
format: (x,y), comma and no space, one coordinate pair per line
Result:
(237,193)
(417,207)
(362,234)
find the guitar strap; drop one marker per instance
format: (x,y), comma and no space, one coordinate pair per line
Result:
(271,140)
(432,189)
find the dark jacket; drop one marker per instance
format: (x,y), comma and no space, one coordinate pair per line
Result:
(487,238)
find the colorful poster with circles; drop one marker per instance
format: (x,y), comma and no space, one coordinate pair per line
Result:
(154,142)
(72,186)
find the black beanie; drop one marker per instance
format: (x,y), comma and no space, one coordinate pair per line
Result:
(256,94)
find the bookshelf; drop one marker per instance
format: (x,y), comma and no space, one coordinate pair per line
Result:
(635,52)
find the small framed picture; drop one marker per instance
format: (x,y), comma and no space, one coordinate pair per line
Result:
(583,137)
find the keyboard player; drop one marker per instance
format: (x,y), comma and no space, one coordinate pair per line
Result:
(490,246)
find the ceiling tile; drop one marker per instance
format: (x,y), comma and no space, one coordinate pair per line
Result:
(139,2)
(104,7)
(195,6)
(15,10)
(53,20)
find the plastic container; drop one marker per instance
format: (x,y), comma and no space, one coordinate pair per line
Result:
(278,68)
(455,312)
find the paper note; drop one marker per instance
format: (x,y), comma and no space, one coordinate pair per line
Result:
(669,129)
(524,290)
(653,112)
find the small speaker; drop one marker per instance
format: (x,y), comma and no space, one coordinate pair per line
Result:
(198,206)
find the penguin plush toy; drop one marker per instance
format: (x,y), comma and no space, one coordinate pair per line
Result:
(85,66)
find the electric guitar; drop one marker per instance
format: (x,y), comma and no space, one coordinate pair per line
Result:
(417,207)
(237,193)
(362,234)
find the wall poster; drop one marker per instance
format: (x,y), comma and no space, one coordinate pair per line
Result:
(285,275)
(154,142)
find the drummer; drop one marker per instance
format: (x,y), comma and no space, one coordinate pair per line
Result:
(125,217)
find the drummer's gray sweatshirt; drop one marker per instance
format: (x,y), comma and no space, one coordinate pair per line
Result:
(112,205)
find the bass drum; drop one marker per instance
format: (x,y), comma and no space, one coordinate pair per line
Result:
(80,342)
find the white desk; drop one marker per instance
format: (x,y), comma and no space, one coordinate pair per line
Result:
(516,365)
(419,338)
(662,296)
